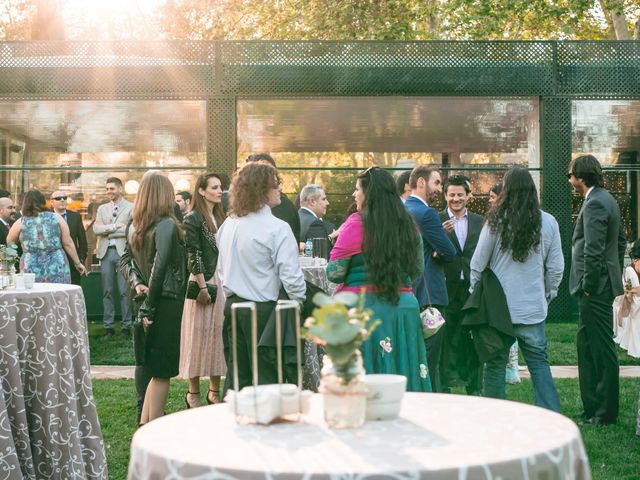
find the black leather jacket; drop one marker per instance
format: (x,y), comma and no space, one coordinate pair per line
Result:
(202,250)
(160,265)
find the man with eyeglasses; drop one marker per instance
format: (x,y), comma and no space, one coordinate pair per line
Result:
(110,226)
(76,229)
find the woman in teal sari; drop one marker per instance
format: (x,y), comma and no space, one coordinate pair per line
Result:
(379,250)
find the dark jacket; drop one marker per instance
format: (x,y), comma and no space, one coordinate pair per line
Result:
(79,237)
(202,250)
(287,212)
(435,240)
(597,257)
(487,316)
(457,289)
(161,265)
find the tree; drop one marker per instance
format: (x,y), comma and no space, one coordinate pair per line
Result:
(15,19)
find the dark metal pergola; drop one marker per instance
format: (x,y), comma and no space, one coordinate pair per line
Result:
(222,73)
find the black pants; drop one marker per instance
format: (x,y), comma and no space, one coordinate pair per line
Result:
(458,353)
(267,369)
(598,368)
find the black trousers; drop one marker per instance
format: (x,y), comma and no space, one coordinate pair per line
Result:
(267,369)
(458,353)
(598,368)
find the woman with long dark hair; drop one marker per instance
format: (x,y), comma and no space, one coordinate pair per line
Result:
(201,348)
(379,250)
(45,238)
(521,245)
(155,264)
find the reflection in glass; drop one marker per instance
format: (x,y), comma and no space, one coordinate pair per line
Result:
(610,130)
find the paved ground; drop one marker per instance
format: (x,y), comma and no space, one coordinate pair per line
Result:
(112,372)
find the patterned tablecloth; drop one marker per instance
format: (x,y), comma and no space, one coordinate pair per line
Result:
(48,422)
(437,437)
(318,276)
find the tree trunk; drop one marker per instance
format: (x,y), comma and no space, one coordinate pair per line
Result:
(47,23)
(614,13)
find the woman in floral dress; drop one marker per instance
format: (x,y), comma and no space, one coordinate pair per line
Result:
(44,237)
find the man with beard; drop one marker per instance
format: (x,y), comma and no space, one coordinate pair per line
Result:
(430,288)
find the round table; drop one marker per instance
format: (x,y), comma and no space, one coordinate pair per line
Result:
(318,276)
(437,436)
(48,422)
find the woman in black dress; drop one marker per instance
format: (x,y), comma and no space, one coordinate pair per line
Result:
(156,258)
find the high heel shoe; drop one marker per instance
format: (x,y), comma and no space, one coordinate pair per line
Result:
(215,395)
(194,404)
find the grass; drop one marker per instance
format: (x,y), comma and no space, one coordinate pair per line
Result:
(561,336)
(614,451)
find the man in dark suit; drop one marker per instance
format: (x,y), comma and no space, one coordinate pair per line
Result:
(285,211)
(313,207)
(598,248)
(463,229)
(76,229)
(7,217)
(430,288)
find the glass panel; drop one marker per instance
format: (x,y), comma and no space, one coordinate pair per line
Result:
(349,130)
(610,130)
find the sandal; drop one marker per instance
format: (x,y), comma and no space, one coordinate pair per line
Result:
(195,404)
(216,397)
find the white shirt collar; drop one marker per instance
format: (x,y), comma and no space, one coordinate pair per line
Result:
(586,195)
(310,211)
(451,215)
(419,198)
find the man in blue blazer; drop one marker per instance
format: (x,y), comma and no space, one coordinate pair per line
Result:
(430,288)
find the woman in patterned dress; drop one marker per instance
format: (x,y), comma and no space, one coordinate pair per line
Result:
(380,250)
(201,346)
(44,237)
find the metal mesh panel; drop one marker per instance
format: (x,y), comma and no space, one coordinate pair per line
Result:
(610,69)
(221,135)
(106,69)
(386,68)
(556,193)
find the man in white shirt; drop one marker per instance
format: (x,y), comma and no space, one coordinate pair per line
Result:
(463,229)
(258,257)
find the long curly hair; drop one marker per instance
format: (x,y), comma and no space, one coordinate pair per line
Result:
(516,214)
(250,187)
(155,200)
(390,235)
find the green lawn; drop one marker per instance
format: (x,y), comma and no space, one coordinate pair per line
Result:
(614,451)
(561,336)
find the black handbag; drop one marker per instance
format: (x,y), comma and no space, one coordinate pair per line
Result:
(193,289)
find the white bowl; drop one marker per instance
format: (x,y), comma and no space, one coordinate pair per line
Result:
(383,410)
(385,388)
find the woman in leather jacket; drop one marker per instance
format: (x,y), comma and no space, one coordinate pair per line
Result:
(155,264)
(201,347)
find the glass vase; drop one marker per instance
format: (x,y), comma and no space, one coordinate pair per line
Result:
(344,392)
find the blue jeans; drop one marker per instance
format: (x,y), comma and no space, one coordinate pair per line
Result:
(533,344)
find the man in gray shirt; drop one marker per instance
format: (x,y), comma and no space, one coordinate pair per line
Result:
(521,245)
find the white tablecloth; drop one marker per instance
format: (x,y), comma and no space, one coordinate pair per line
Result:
(48,422)
(437,437)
